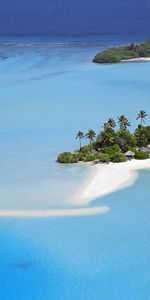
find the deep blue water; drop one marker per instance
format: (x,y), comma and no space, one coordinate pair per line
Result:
(53,17)
(49,90)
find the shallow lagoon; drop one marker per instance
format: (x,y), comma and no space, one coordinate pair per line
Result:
(49,92)
(102,257)
(47,95)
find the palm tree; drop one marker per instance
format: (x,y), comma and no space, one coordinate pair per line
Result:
(106,137)
(80,137)
(106,126)
(123,122)
(90,135)
(108,134)
(142,115)
(111,123)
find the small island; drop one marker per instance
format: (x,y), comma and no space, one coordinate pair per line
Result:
(114,143)
(133,52)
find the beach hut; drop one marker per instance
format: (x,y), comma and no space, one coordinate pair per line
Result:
(129,155)
(96,161)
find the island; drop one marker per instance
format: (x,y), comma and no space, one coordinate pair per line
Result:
(114,143)
(133,52)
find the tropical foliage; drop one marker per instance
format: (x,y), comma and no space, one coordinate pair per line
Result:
(111,142)
(142,115)
(115,55)
(67,158)
(90,135)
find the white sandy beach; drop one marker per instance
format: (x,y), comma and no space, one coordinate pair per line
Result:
(111,177)
(138,59)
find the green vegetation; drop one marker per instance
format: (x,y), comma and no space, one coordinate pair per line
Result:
(142,135)
(90,135)
(67,158)
(115,55)
(114,153)
(112,142)
(142,115)
(101,157)
(141,155)
(118,157)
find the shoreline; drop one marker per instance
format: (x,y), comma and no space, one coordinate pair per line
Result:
(110,178)
(138,59)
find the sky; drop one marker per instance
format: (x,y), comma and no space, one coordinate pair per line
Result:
(50,17)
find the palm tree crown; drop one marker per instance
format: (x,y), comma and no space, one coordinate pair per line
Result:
(111,122)
(90,135)
(123,122)
(142,115)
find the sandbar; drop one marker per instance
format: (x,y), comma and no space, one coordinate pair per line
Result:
(109,178)
(104,179)
(75,212)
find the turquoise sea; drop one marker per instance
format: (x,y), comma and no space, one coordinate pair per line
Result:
(50,89)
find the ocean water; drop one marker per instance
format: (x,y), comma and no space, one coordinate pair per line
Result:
(100,257)
(50,89)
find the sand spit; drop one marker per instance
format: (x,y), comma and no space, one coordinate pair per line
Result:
(77,212)
(111,177)
(104,179)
